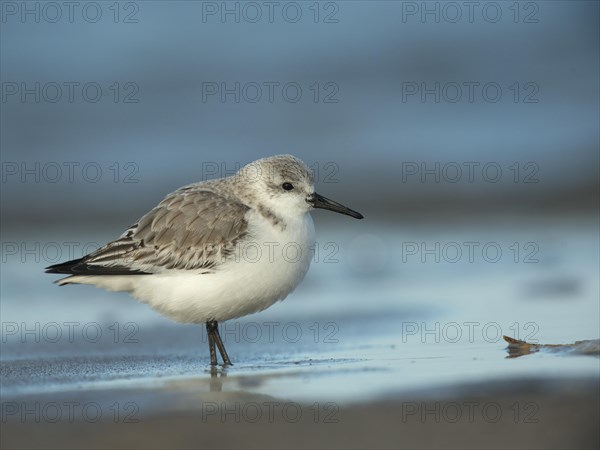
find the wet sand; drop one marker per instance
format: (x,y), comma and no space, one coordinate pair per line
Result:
(409,355)
(521,414)
(318,396)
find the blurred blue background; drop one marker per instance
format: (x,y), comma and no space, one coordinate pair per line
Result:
(167,56)
(379,118)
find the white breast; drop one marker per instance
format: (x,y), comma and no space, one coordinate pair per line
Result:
(265,268)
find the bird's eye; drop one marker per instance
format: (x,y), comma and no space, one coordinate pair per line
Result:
(287,186)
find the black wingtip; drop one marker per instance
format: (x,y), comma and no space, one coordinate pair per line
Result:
(65,267)
(80,267)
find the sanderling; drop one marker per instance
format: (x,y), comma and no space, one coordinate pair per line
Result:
(211,251)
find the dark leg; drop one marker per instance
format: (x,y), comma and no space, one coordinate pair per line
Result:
(221,347)
(214,337)
(211,344)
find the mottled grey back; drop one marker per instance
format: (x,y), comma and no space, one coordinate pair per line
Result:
(192,228)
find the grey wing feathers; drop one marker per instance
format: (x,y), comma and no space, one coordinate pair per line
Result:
(190,229)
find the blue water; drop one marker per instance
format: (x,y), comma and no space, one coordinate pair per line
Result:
(370,313)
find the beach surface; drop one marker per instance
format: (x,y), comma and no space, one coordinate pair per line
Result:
(368,352)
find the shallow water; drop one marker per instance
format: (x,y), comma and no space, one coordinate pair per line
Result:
(375,319)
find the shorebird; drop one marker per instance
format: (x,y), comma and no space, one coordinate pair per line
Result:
(213,251)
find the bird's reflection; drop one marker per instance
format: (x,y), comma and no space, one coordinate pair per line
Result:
(217,373)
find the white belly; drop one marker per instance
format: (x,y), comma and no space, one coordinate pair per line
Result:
(262,271)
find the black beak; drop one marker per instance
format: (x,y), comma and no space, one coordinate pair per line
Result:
(318,201)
